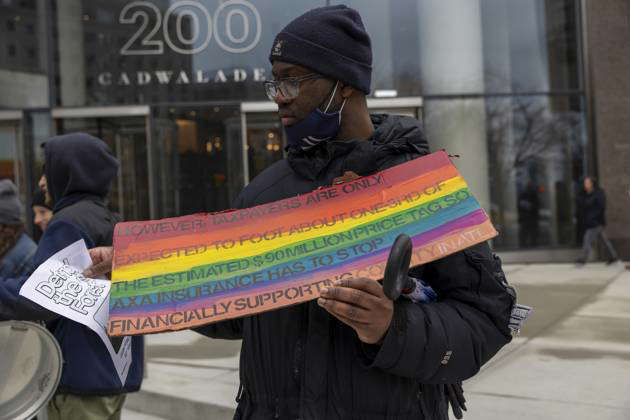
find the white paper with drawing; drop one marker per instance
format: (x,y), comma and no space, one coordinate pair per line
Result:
(59,286)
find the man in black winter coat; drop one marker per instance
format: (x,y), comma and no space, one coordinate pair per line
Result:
(354,354)
(592,205)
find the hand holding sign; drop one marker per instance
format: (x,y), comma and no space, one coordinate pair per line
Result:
(361,304)
(365,305)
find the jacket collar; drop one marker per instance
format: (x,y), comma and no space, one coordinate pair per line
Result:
(71,199)
(393,135)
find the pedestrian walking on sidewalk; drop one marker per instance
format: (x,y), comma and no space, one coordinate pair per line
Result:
(592,205)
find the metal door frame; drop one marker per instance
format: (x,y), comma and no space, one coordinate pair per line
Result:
(11,115)
(380,103)
(101,111)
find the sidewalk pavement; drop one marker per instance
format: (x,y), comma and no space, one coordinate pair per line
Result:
(134,415)
(571,361)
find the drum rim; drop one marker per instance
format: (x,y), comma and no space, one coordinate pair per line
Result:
(40,402)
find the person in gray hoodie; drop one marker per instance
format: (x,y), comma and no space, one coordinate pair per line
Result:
(16,247)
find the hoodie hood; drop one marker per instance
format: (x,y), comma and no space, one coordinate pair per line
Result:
(78,165)
(393,135)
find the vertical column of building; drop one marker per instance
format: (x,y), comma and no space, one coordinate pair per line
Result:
(451,62)
(501,148)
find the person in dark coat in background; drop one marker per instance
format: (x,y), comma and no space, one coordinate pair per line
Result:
(354,354)
(529,215)
(16,247)
(78,173)
(592,205)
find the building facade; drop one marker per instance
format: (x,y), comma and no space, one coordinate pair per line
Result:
(175,88)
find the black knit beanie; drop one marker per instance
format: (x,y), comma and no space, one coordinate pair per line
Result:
(39,199)
(331,41)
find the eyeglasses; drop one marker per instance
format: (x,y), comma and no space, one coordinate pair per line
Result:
(288,87)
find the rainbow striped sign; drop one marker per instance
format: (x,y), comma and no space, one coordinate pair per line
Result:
(188,271)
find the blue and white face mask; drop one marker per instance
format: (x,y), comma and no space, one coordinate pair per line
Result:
(318,126)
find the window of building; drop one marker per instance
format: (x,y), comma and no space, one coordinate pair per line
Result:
(199,156)
(265,142)
(20,46)
(537,145)
(501,87)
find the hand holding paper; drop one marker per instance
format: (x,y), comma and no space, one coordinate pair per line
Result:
(102,258)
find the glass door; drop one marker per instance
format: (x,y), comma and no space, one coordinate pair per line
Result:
(198,156)
(265,141)
(126,136)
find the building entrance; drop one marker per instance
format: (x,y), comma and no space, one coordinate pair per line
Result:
(264,136)
(184,159)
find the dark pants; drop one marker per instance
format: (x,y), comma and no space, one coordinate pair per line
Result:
(590,236)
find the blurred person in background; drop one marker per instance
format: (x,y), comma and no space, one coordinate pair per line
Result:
(42,213)
(529,215)
(592,205)
(16,247)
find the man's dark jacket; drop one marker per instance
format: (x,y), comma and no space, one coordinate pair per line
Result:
(300,362)
(593,208)
(79,169)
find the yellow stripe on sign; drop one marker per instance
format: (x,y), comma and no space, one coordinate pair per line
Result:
(182,263)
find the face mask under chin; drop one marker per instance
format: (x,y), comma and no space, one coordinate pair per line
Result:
(318,126)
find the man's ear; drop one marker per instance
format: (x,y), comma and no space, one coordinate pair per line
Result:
(347,91)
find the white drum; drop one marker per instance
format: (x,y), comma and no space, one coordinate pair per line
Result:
(30,369)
